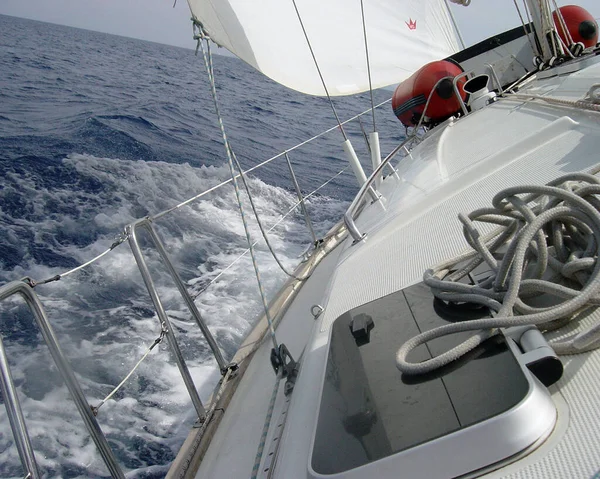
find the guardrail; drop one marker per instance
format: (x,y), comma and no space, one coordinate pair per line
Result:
(25,289)
(17,422)
(358,199)
(352,210)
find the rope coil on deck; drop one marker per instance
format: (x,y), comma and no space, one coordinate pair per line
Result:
(547,242)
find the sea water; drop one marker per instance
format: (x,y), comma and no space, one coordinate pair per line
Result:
(96,131)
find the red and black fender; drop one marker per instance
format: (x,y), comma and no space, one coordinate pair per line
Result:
(580,24)
(410,97)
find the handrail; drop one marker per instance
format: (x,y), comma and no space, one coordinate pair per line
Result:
(160,311)
(25,289)
(15,417)
(186,296)
(357,236)
(35,306)
(495,77)
(463,107)
(356,202)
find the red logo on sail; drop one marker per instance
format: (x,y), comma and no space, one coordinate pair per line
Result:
(411,24)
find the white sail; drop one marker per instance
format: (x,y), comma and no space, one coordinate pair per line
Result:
(402,36)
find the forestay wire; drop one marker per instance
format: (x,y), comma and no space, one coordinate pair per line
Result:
(547,243)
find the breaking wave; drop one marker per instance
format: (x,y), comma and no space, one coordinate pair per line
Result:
(97,131)
(103,316)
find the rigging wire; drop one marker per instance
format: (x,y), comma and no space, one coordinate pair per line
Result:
(290,211)
(464,3)
(365,136)
(534,49)
(549,24)
(231,155)
(362,12)
(536,40)
(210,72)
(260,225)
(319,72)
(563,24)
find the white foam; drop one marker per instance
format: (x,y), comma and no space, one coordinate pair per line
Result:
(103,316)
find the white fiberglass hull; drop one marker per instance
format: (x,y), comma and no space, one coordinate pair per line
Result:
(458,167)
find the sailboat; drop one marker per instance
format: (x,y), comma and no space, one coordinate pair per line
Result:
(447,326)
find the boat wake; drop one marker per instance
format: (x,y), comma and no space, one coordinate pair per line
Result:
(102,314)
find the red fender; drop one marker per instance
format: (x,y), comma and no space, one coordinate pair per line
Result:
(580,24)
(410,97)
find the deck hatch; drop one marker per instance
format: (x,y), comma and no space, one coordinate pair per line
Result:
(369,411)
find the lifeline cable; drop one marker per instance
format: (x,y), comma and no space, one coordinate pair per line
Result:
(246,251)
(163,331)
(120,239)
(260,225)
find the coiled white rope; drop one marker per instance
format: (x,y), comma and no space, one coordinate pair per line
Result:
(547,242)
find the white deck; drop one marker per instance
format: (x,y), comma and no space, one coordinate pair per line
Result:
(229,455)
(458,168)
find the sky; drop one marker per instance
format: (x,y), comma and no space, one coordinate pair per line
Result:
(154,20)
(158,21)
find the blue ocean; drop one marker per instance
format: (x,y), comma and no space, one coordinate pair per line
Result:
(97,131)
